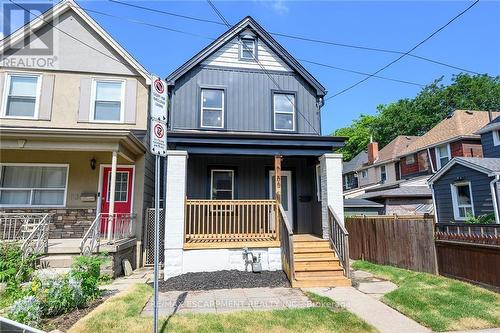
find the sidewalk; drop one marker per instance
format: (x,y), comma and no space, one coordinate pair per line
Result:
(141,275)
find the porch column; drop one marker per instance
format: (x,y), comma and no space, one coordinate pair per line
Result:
(112,186)
(331,189)
(175,199)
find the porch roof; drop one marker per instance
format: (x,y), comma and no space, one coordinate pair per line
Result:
(230,143)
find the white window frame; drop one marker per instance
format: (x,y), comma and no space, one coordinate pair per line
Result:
(242,48)
(496,137)
(36,188)
(364,173)
(438,156)
(222,109)
(318,182)
(6,94)
(212,181)
(454,198)
(93,97)
(109,185)
(293,113)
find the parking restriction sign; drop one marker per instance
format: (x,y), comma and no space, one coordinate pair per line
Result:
(158,138)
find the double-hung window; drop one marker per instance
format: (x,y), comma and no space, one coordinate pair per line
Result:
(212,108)
(222,184)
(442,155)
(108,96)
(461,194)
(22,96)
(284,111)
(26,185)
(496,137)
(247,49)
(383,174)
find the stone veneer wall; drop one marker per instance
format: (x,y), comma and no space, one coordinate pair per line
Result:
(114,267)
(66,222)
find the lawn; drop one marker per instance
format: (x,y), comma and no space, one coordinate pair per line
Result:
(437,302)
(121,313)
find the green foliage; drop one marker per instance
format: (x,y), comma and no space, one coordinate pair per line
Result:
(481,219)
(418,115)
(13,269)
(27,310)
(88,270)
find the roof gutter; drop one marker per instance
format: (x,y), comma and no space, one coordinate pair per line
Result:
(495,197)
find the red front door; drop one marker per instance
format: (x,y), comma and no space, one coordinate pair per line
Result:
(123,190)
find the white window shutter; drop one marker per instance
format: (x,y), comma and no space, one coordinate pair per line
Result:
(46,97)
(130,107)
(85,93)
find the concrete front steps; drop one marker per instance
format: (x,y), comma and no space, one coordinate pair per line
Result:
(316,264)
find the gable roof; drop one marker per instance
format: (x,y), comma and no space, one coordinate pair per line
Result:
(57,10)
(247,22)
(489,166)
(461,124)
(391,151)
(492,126)
(355,163)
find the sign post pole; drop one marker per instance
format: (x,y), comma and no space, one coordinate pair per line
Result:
(158,147)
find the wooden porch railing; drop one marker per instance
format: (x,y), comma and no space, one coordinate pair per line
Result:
(230,220)
(339,238)
(286,243)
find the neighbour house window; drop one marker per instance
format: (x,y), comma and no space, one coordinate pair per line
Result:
(383,174)
(284,111)
(364,174)
(33,185)
(247,49)
(22,96)
(496,138)
(212,108)
(461,194)
(108,100)
(222,184)
(442,155)
(318,182)
(121,186)
(410,159)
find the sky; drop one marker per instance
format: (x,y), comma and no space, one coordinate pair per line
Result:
(471,42)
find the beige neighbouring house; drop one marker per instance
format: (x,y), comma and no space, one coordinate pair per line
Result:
(70,124)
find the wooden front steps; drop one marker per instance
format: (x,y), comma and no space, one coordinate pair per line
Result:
(316,264)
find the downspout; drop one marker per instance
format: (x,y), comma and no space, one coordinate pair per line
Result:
(430,160)
(495,197)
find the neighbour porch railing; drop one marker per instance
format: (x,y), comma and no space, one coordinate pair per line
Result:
(230,221)
(339,238)
(108,228)
(37,241)
(286,242)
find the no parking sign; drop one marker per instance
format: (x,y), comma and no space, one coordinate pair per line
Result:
(158,129)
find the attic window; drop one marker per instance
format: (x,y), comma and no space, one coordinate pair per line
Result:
(247,48)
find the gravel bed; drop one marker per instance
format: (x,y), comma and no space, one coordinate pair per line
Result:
(224,280)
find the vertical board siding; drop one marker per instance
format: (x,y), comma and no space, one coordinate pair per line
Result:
(405,243)
(481,194)
(248,99)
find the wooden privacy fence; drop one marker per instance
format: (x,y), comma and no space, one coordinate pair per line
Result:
(402,241)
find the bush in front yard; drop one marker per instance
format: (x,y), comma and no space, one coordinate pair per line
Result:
(26,310)
(13,269)
(88,270)
(58,294)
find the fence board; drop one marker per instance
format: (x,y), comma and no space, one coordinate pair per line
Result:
(406,241)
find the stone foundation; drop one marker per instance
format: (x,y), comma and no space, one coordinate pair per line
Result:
(66,222)
(114,267)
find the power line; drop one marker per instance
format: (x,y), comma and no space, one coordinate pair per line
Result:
(302,38)
(406,53)
(221,16)
(212,38)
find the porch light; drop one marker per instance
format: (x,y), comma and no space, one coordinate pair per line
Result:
(93,163)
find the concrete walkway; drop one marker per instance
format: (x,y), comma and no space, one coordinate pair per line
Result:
(141,275)
(371,310)
(228,300)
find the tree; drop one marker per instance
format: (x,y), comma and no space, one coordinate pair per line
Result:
(418,115)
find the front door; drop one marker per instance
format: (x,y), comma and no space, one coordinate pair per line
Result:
(286,192)
(123,190)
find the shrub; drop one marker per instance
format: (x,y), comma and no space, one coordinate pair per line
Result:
(481,219)
(88,270)
(58,294)
(13,269)
(27,310)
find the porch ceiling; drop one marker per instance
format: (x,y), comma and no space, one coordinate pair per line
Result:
(254,143)
(123,142)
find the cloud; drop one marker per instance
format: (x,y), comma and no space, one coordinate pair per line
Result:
(280,7)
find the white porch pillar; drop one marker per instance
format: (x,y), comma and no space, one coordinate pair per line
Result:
(174,216)
(331,189)
(112,186)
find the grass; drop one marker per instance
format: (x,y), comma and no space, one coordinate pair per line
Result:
(437,302)
(121,313)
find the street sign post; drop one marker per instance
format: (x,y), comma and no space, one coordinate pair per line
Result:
(158,147)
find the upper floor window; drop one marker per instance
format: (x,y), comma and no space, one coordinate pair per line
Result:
(383,174)
(364,174)
(22,96)
(25,185)
(212,108)
(284,111)
(496,138)
(247,49)
(410,159)
(442,155)
(461,195)
(107,100)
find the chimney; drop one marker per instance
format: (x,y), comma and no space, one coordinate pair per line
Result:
(490,115)
(372,152)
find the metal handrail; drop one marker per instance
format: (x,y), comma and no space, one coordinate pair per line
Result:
(92,237)
(339,238)
(38,240)
(286,242)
